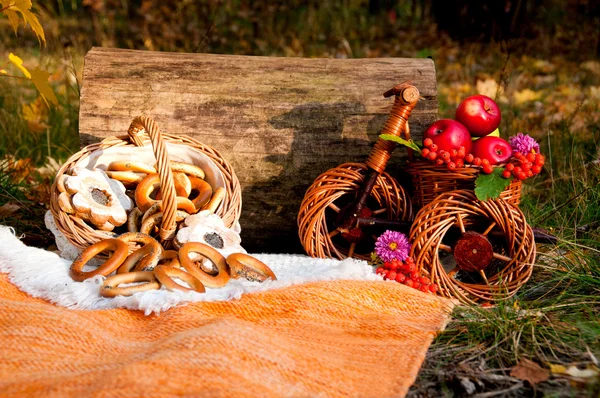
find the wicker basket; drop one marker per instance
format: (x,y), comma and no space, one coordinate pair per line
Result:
(143,131)
(430,180)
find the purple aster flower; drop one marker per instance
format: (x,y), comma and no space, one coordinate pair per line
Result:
(523,143)
(392,245)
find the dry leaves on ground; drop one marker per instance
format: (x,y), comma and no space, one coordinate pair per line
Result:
(530,371)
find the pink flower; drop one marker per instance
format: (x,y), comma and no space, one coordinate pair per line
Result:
(392,245)
(523,143)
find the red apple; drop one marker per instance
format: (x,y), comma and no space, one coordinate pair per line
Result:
(494,149)
(479,114)
(449,134)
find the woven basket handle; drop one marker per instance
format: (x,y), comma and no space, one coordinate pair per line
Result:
(139,126)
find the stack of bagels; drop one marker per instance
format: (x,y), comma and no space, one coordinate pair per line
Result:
(125,201)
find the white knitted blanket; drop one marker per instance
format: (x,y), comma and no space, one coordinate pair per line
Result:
(44,274)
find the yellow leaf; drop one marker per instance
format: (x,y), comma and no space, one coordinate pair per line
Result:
(24,7)
(13,18)
(40,80)
(590,372)
(18,62)
(36,115)
(526,95)
(2,71)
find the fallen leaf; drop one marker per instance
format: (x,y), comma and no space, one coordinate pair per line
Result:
(526,95)
(591,371)
(8,209)
(18,62)
(530,371)
(40,80)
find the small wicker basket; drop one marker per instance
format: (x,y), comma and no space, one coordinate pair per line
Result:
(142,131)
(430,180)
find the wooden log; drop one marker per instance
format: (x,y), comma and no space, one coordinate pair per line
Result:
(280,122)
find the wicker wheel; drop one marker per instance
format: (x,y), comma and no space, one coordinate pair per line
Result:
(326,198)
(430,180)
(456,235)
(143,131)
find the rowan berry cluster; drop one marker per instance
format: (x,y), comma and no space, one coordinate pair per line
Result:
(454,159)
(407,274)
(524,166)
(520,166)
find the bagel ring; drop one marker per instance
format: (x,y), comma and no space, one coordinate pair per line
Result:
(126,177)
(110,287)
(190,266)
(204,190)
(134,219)
(244,266)
(216,200)
(165,275)
(137,237)
(120,251)
(143,191)
(125,165)
(182,204)
(155,219)
(182,184)
(187,168)
(142,259)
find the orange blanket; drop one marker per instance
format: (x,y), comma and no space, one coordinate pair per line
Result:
(338,338)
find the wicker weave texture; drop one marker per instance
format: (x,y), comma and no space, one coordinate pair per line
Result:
(462,211)
(430,180)
(346,179)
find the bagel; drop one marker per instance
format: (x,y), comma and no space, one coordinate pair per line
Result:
(188,169)
(183,185)
(137,237)
(247,267)
(204,192)
(119,255)
(110,287)
(182,204)
(215,201)
(143,191)
(125,165)
(190,266)
(126,177)
(142,259)
(133,220)
(155,219)
(165,275)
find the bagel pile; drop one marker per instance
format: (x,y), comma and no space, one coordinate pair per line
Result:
(139,258)
(126,197)
(125,201)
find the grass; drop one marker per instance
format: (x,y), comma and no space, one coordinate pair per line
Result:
(552,320)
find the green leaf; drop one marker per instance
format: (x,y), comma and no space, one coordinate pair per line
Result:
(490,186)
(398,140)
